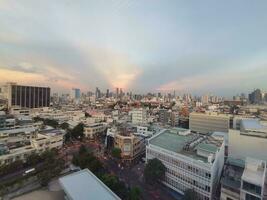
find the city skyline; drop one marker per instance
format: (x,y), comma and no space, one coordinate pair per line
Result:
(157,46)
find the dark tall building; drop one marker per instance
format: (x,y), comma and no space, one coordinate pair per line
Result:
(107,94)
(27,96)
(255,97)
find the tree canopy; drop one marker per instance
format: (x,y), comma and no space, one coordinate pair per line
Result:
(154,171)
(116,152)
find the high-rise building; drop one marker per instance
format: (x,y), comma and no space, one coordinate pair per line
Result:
(117,93)
(255,97)
(97,93)
(26,96)
(75,93)
(107,94)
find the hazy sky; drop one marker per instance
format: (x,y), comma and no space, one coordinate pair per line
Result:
(139,45)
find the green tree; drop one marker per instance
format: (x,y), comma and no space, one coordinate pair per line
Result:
(116,152)
(190,194)
(115,185)
(33,159)
(64,126)
(51,122)
(154,171)
(135,193)
(77,131)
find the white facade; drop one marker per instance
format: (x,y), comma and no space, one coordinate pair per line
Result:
(253,180)
(139,116)
(187,172)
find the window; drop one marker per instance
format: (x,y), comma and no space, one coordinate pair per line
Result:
(251,197)
(252,188)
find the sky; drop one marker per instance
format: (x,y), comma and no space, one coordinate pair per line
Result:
(189,46)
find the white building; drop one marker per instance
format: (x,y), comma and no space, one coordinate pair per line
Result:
(48,139)
(253,180)
(139,116)
(192,161)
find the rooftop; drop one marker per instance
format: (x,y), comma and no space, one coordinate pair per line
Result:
(84,185)
(254,171)
(253,124)
(187,144)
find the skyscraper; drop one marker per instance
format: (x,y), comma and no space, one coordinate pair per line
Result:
(255,97)
(75,93)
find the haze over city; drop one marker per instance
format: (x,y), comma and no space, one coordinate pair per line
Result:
(187,46)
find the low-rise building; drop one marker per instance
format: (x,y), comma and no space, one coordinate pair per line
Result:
(84,185)
(92,130)
(205,123)
(19,150)
(253,180)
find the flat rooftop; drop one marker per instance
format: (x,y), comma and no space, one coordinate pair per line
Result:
(84,185)
(174,140)
(253,124)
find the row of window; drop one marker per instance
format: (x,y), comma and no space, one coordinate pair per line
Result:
(183,188)
(180,164)
(185,178)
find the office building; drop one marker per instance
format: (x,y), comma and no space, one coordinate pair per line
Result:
(75,94)
(208,122)
(193,161)
(255,97)
(26,96)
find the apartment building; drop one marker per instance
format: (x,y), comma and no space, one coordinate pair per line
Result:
(139,116)
(205,123)
(193,161)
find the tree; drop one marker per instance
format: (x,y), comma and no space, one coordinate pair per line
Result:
(64,126)
(33,159)
(116,152)
(154,171)
(77,131)
(85,159)
(115,185)
(190,194)
(135,193)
